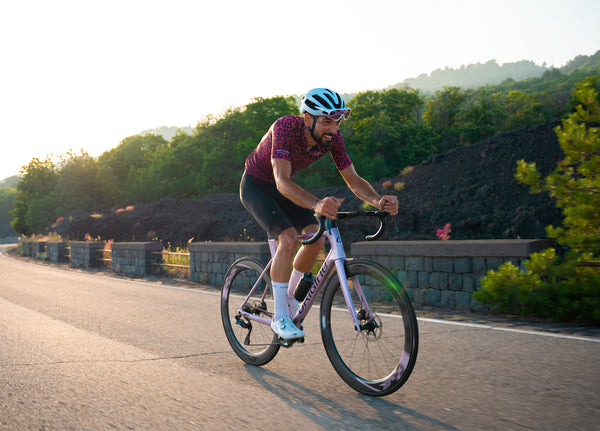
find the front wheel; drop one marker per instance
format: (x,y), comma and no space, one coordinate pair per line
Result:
(245,289)
(378,358)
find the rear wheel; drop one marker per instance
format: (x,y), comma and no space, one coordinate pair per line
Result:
(254,342)
(378,359)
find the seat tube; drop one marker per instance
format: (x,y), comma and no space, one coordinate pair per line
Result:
(272,246)
(341,273)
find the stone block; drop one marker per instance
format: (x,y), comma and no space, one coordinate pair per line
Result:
(432,297)
(412,278)
(462,301)
(429,264)
(479,265)
(494,262)
(438,280)
(415,263)
(443,264)
(418,296)
(455,282)
(463,265)
(447,299)
(470,282)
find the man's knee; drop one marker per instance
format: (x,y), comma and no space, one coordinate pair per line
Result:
(287,240)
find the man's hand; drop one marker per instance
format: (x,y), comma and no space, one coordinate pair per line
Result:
(389,203)
(328,207)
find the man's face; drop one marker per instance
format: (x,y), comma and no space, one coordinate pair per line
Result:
(325,130)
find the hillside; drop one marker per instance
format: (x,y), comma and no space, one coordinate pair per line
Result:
(10,182)
(167,132)
(472,188)
(490,73)
(473,76)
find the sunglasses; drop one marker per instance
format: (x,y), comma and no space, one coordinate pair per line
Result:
(338,114)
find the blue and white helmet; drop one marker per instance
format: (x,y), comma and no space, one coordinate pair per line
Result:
(325,102)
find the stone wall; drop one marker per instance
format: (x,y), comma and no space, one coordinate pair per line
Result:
(85,253)
(135,258)
(37,249)
(56,251)
(445,273)
(209,261)
(434,273)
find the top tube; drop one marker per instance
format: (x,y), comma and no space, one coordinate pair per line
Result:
(325,223)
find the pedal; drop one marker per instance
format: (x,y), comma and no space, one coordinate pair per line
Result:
(285,343)
(289,343)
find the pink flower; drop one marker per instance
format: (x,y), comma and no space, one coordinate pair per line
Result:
(444,233)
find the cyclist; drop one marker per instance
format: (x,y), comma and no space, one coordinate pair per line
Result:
(283,208)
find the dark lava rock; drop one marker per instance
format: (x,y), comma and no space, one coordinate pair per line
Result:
(473,188)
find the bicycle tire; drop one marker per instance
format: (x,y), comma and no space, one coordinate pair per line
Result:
(254,342)
(379,359)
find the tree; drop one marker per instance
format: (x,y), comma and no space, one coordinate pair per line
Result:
(7,199)
(550,285)
(385,133)
(212,159)
(442,112)
(38,180)
(228,141)
(575,183)
(120,167)
(522,110)
(79,184)
(485,116)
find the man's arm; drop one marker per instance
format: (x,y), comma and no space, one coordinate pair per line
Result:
(282,170)
(363,190)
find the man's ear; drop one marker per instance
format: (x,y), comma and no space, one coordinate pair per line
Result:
(308,119)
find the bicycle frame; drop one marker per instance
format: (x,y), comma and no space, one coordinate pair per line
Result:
(335,258)
(371,361)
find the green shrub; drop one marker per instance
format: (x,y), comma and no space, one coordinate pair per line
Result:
(548,286)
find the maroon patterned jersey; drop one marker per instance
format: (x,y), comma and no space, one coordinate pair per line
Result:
(286,140)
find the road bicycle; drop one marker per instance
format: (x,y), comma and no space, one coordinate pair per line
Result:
(368,325)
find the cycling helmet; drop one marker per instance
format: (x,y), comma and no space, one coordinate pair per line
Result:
(325,102)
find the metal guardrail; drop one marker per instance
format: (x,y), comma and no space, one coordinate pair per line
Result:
(101,253)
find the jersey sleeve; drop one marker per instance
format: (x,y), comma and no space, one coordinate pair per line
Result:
(280,148)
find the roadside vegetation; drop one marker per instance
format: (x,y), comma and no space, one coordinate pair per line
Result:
(389,132)
(561,286)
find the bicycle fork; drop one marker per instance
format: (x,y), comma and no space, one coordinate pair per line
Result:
(365,312)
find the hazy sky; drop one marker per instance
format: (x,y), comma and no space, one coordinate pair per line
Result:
(80,74)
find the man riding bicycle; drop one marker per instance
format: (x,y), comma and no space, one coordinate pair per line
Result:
(283,208)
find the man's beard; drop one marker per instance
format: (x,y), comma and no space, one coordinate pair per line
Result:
(322,142)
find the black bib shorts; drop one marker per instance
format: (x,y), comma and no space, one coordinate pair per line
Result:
(273,211)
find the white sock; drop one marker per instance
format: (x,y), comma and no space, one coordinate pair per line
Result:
(294,279)
(281,300)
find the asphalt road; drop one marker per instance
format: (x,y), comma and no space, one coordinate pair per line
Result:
(90,352)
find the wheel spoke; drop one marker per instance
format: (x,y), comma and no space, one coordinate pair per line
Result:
(252,341)
(378,359)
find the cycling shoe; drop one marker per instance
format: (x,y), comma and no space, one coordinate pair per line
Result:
(285,329)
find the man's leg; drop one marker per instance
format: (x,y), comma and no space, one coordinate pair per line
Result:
(307,255)
(281,268)
(304,262)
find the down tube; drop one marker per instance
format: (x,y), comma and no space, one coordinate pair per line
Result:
(341,273)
